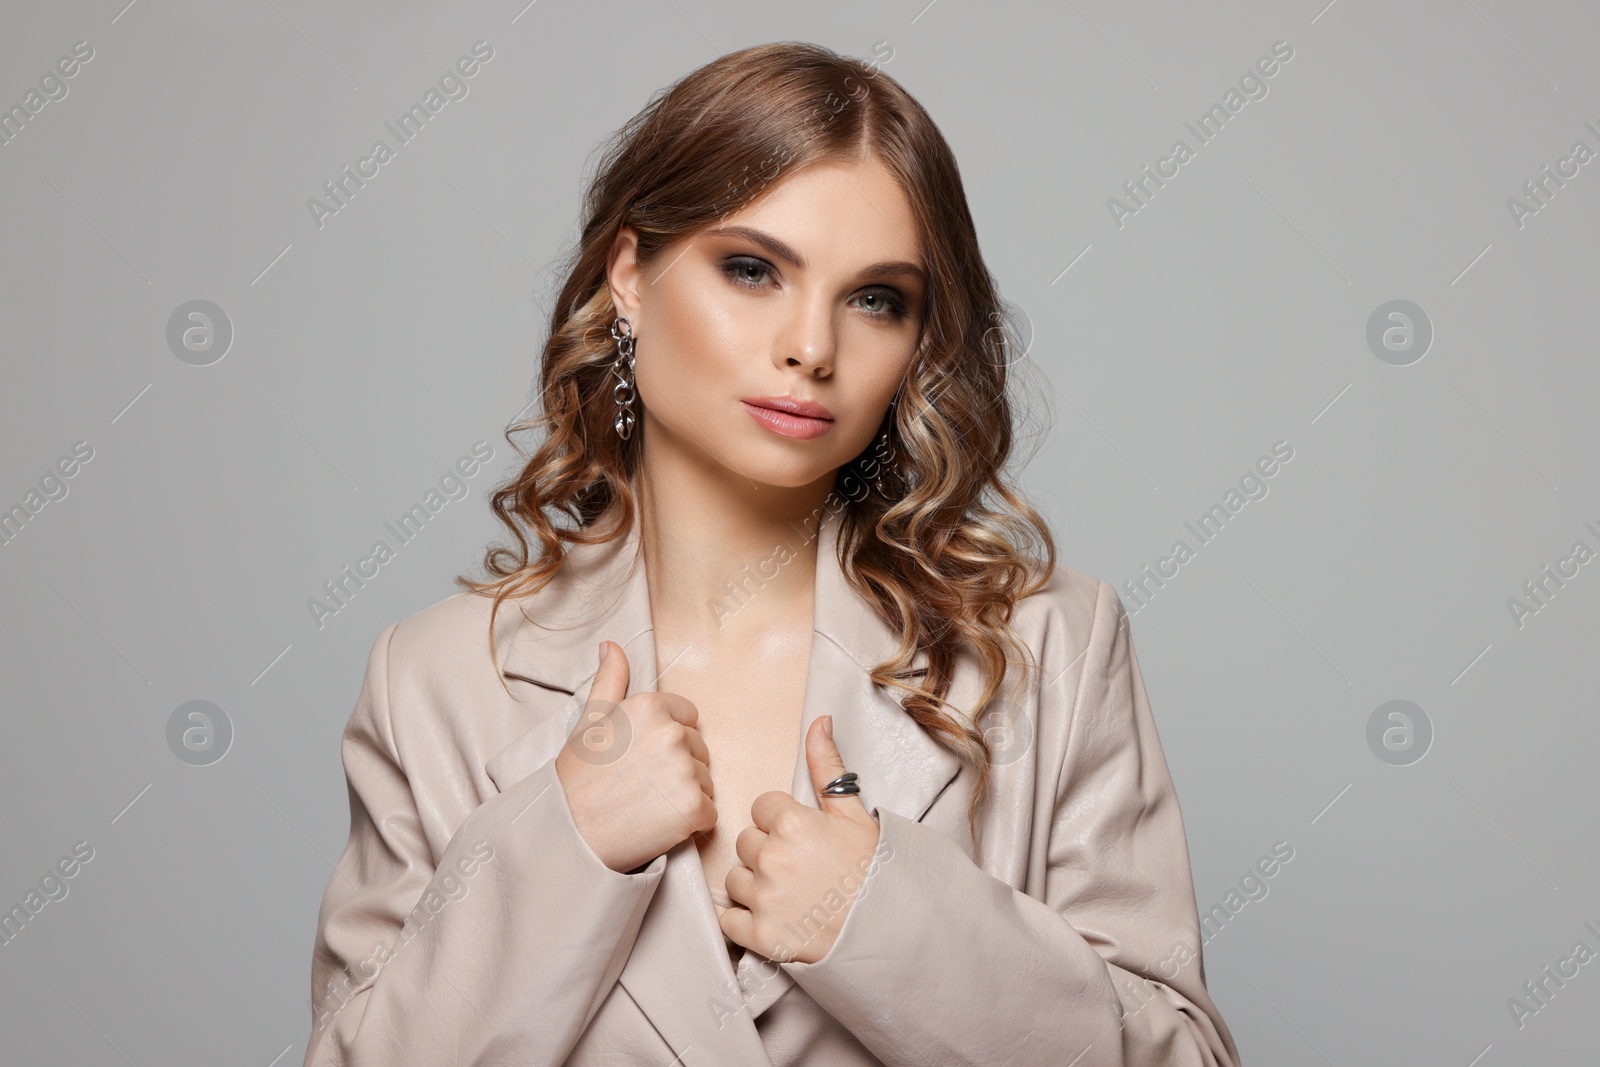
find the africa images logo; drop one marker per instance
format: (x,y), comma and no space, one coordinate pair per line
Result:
(452,86)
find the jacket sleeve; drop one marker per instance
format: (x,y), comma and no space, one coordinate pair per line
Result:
(940,962)
(499,949)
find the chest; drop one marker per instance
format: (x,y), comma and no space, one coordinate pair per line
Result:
(749,703)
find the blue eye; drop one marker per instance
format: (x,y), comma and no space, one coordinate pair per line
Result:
(889,305)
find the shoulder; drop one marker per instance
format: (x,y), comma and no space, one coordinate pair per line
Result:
(1075,626)
(435,698)
(448,631)
(432,713)
(434,659)
(1071,600)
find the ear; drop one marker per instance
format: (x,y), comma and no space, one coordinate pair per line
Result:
(623,273)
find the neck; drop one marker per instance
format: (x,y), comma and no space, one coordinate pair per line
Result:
(728,561)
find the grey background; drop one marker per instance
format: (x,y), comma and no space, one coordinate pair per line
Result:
(1229,313)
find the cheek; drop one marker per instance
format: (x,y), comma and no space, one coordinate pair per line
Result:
(876,387)
(694,344)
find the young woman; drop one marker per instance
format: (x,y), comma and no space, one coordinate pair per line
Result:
(783,747)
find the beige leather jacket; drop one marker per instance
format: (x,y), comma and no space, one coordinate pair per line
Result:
(468,922)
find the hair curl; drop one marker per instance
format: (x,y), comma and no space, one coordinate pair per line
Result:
(940,556)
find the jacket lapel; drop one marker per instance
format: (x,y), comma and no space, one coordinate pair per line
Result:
(678,972)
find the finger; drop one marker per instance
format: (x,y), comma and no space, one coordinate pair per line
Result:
(747,846)
(741,886)
(826,764)
(764,809)
(740,927)
(611,680)
(702,774)
(680,708)
(697,745)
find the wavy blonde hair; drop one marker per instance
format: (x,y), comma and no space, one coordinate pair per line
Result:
(940,555)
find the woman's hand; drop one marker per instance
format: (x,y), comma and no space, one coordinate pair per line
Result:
(799,863)
(636,771)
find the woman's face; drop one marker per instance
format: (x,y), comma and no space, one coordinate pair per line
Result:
(813,293)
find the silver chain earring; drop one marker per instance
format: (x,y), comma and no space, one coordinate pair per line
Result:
(622,392)
(882,454)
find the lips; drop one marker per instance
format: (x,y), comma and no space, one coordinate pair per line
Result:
(785,421)
(809,408)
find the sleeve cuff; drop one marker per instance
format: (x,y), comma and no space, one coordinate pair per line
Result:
(523,816)
(987,963)
(877,916)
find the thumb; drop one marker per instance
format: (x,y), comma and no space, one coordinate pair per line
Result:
(611,680)
(826,764)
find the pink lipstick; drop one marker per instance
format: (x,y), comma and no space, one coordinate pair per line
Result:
(788,417)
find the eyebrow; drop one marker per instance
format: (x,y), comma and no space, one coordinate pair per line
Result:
(895,269)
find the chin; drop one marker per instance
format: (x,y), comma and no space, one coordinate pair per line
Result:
(782,472)
(787,477)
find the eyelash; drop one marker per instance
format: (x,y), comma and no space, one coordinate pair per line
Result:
(732,268)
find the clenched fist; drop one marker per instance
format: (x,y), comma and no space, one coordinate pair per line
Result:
(636,771)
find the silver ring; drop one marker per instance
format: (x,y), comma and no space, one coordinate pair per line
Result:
(842,786)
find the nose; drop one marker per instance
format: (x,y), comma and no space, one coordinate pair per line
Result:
(809,340)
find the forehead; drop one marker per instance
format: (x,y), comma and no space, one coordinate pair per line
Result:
(838,215)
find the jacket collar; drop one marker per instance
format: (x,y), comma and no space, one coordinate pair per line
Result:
(679,973)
